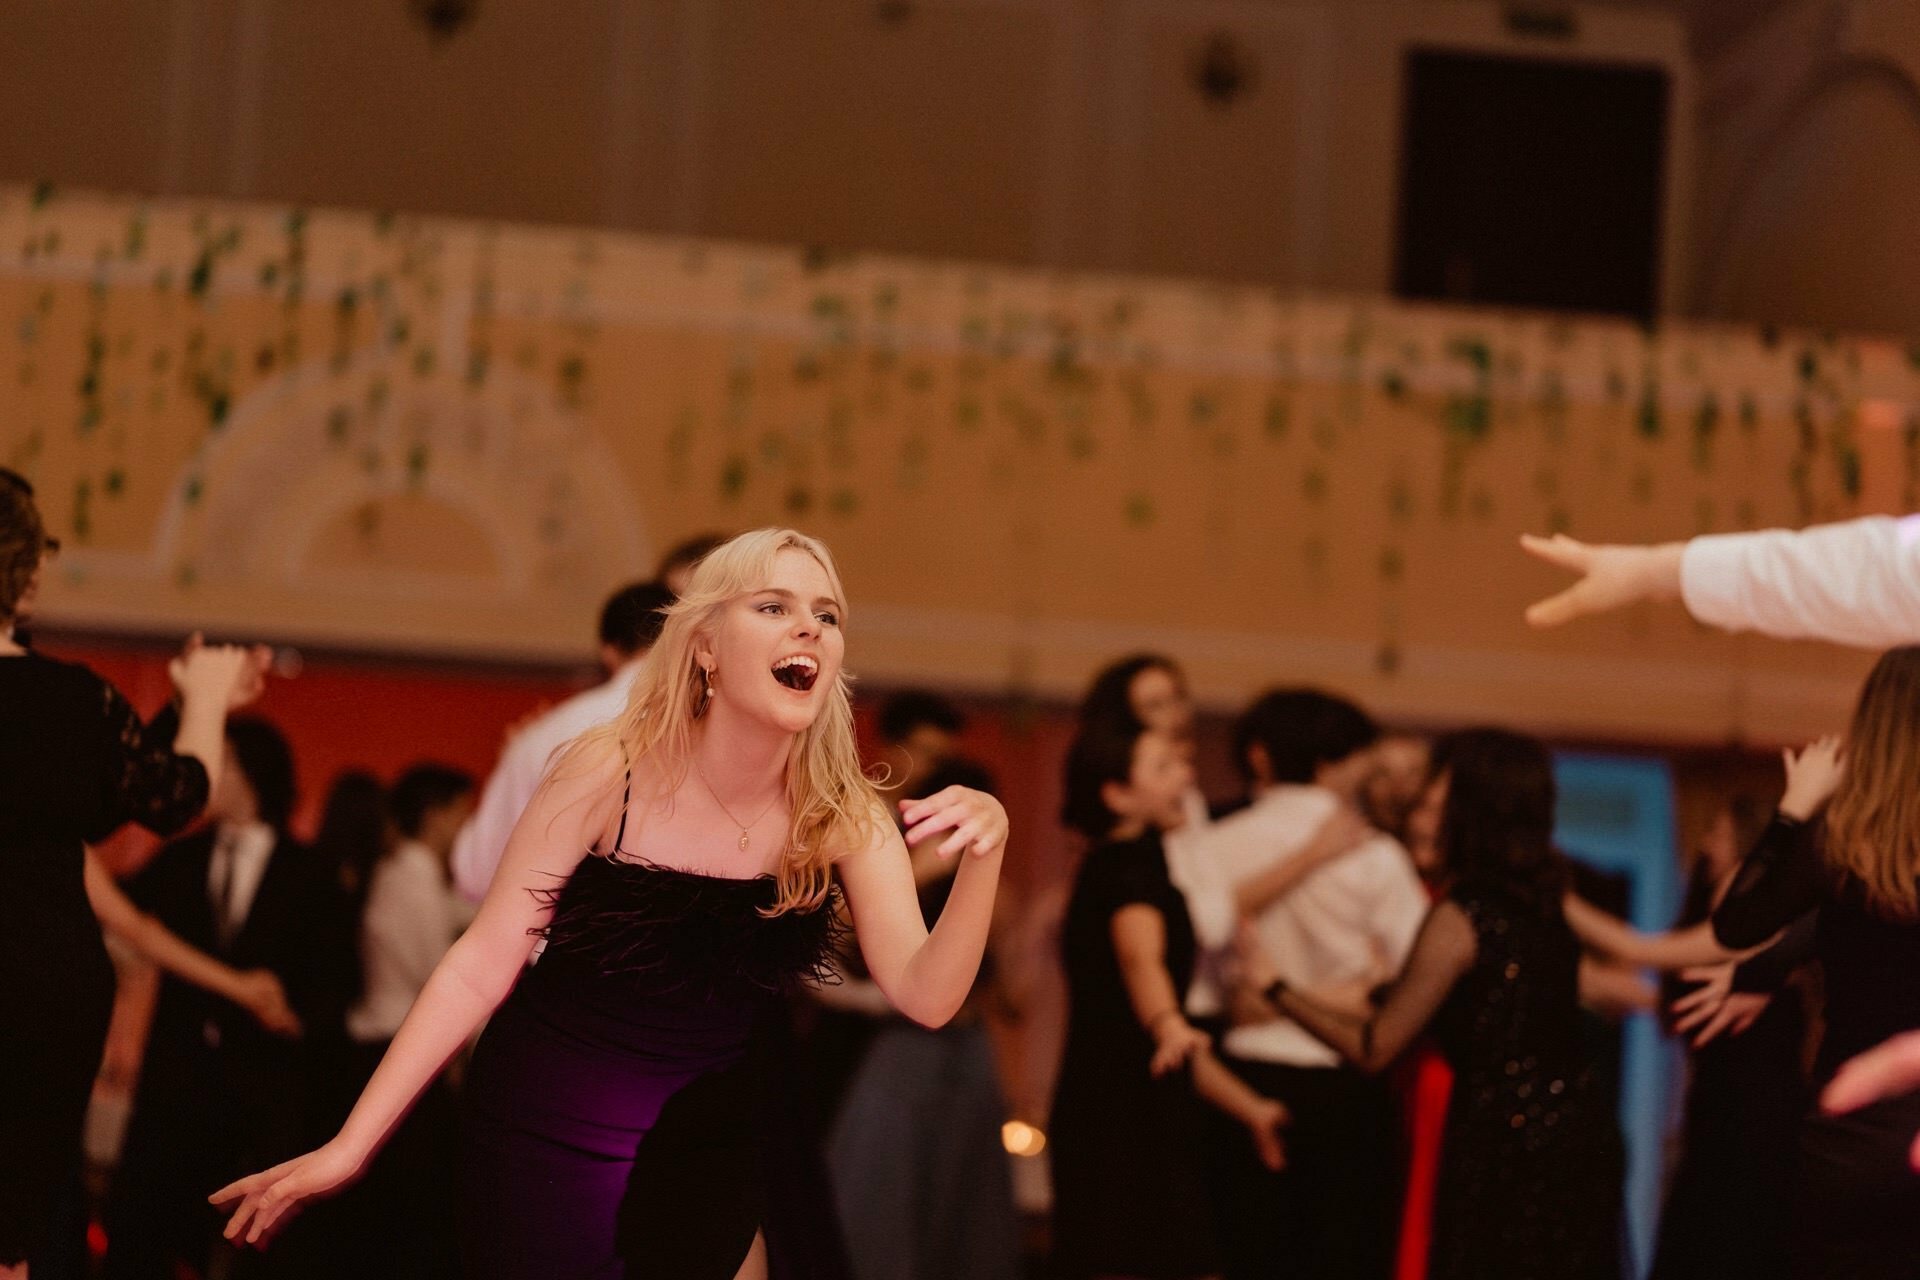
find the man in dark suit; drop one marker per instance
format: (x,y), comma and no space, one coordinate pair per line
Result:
(218,1094)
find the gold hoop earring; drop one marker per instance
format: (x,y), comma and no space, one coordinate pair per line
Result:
(705,697)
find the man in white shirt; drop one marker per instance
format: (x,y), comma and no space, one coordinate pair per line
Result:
(1348,924)
(1856,583)
(629,624)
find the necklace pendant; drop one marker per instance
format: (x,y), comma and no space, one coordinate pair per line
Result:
(743,842)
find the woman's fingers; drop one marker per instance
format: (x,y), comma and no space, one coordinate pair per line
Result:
(1882,1072)
(1558,609)
(1564,553)
(1695,1017)
(938,820)
(913,811)
(962,836)
(1560,551)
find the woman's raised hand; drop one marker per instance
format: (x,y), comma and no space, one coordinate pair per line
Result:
(1610,576)
(265,1202)
(977,820)
(230,674)
(1813,774)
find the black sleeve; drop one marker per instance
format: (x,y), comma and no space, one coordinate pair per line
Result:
(1129,875)
(1768,971)
(143,779)
(1779,882)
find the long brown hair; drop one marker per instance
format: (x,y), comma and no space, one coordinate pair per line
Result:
(1873,821)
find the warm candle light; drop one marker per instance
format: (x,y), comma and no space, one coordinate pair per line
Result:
(1022,1139)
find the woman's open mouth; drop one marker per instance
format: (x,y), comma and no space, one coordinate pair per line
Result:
(797,672)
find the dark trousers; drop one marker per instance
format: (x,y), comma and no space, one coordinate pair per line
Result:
(1333,1212)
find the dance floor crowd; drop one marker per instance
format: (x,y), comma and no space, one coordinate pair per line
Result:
(1357,1019)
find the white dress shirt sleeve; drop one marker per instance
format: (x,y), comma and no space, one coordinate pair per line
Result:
(408,922)
(1856,583)
(483,840)
(1196,868)
(1399,901)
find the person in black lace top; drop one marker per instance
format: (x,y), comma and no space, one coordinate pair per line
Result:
(1856,1205)
(1530,1164)
(683,864)
(75,764)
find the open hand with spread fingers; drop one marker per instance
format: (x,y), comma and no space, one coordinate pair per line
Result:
(1611,577)
(1813,775)
(977,820)
(1716,1009)
(263,1203)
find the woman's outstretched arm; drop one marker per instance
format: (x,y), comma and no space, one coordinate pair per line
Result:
(567,814)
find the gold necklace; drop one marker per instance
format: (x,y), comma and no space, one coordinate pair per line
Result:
(745,827)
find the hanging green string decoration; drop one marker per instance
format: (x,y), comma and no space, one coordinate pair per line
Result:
(1647,418)
(1706,423)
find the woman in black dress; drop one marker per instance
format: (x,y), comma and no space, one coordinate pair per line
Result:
(1130,1195)
(1856,1205)
(1530,1164)
(683,864)
(75,764)
(1727,1205)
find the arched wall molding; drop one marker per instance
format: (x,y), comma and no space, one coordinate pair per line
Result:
(1843,73)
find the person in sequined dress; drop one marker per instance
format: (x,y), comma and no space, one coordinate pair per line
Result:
(1530,1167)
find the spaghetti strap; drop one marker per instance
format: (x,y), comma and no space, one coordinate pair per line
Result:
(626,794)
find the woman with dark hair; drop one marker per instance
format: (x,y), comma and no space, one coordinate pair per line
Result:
(1147,687)
(75,764)
(1150,690)
(1130,1195)
(1530,1164)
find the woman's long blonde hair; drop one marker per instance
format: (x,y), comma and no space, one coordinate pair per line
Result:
(831,801)
(1873,820)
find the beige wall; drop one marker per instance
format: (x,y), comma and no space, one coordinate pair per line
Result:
(1809,176)
(1057,133)
(450,437)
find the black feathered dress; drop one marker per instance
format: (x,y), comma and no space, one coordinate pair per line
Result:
(625,1111)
